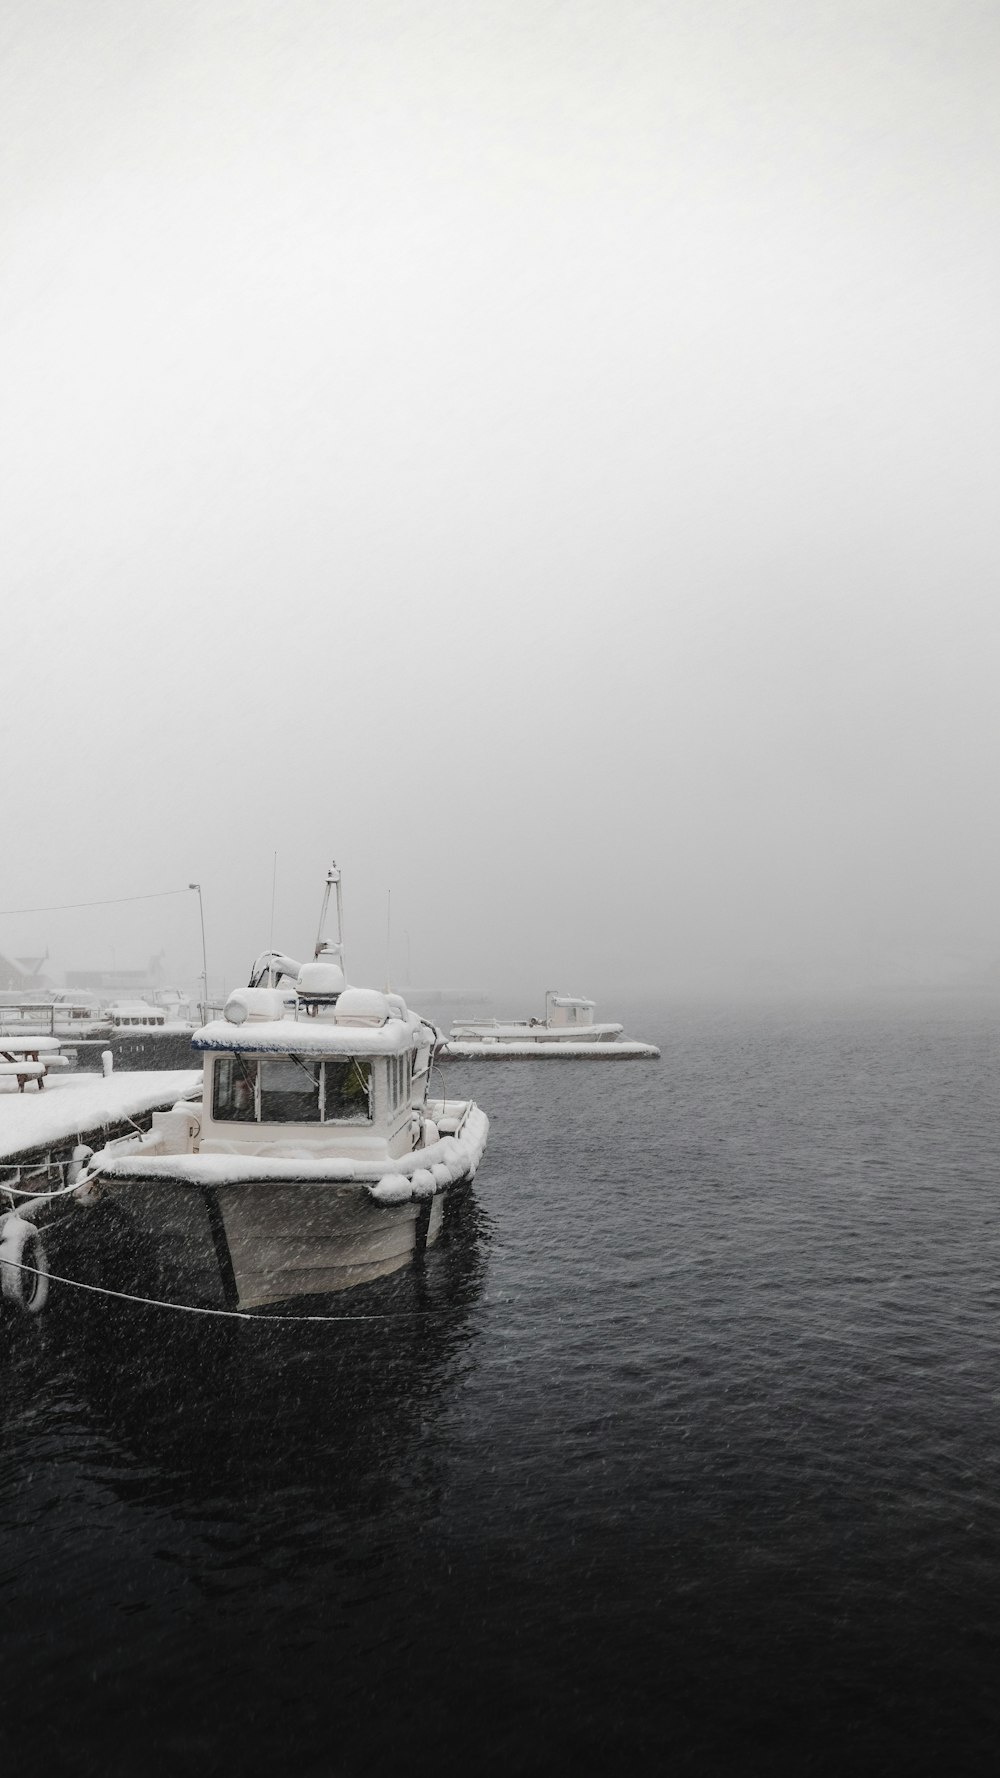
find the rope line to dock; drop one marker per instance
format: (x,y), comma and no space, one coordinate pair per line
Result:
(152,1302)
(15,1191)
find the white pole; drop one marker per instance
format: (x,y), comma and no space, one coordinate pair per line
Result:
(204,957)
(270,942)
(323,947)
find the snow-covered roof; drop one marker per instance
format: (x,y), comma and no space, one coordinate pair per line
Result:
(313,1037)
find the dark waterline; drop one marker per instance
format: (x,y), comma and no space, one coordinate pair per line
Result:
(680,1452)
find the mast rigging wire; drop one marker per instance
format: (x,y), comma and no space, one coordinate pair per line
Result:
(60,907)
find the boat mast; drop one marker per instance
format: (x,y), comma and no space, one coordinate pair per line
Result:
(325,948)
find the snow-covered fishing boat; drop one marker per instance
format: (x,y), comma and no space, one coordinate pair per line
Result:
(316,1156)
(568,1029)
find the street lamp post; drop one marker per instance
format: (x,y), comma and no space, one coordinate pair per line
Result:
(204,959)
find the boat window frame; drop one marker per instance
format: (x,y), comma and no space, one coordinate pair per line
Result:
(310,1066)
(399,1075)
(250,1063)
(367,1081)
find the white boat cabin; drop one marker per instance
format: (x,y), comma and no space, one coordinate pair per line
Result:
(122,1014)
(569,1019)
(303,1073)
(562,1010)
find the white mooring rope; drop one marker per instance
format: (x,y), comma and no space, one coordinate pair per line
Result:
(14,1191)
(152,1302)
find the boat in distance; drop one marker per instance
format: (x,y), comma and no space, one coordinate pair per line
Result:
(315,1157)
(568,1030)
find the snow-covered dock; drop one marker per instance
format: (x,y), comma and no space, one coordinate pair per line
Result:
(503,1049)
(80,1107)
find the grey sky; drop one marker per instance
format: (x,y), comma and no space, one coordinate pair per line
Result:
(543,455)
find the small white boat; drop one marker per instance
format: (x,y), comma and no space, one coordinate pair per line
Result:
(318,1154)
(568,1029)
(124,1014)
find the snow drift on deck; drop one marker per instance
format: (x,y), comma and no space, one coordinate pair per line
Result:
(448,1160)
(306,1037)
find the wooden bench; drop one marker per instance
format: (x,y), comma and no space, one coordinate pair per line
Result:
(24,1071)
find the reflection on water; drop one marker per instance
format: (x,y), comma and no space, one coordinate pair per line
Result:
(247,1410)
(164,1473)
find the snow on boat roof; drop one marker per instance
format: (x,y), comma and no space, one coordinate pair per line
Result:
(314,1037)
(74,1105)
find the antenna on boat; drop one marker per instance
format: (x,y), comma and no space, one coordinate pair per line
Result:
(334,950)
(270,942)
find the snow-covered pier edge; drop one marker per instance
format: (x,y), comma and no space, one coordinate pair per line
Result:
(39,1130)
(500,1049)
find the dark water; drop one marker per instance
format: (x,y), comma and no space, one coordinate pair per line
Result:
(681,1454)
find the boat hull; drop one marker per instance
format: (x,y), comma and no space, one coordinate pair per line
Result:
(246,1246)
(242,1232)
(291,1241)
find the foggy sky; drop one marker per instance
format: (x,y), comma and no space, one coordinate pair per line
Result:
(542,455)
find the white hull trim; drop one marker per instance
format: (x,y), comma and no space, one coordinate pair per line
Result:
(421,1174)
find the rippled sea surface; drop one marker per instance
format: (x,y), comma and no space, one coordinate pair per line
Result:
(681,1452)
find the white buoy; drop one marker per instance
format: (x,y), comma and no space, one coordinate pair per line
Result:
(107,1062)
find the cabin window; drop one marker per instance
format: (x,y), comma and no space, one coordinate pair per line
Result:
(234,1094)
(347,1091)
(397,1081)
(289,1090)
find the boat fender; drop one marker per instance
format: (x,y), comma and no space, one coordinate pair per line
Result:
(430,1134)
(21,1245)
(78,1162)
(392,1189)
(422,1181)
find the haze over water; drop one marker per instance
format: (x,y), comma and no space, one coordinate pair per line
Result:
(539,455)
